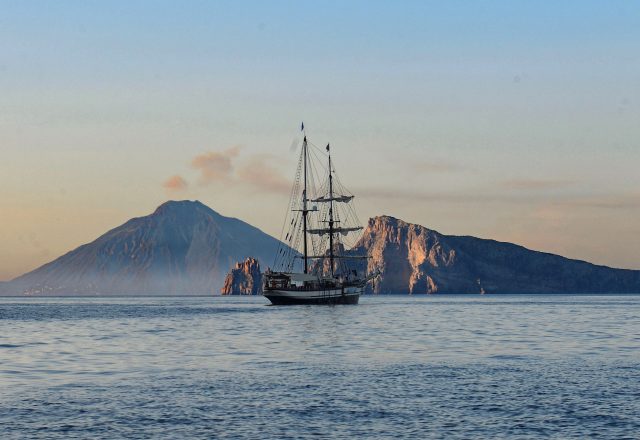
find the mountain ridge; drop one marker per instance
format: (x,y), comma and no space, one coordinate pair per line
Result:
(473,237)
(420,260)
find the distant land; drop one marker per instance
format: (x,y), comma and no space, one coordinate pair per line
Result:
(185,247)
(182,248)
(415,259)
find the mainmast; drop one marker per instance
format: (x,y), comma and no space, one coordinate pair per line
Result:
(330,212)
(331,198)
(304,204)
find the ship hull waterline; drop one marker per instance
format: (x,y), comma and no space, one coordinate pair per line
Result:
(348,295)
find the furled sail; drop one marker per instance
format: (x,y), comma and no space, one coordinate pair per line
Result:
(343,231)
(335,198)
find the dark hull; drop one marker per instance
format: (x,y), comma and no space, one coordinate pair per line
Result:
(277,300)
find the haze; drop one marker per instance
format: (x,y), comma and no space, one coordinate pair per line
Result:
(507,120)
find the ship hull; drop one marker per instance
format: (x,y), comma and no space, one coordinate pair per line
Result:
(346,295)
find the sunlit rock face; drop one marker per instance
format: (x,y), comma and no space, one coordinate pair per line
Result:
(414,259)
(184,247)
(244,279)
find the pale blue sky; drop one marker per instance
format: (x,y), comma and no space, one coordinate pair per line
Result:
(509,120)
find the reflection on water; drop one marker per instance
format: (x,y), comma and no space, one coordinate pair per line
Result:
(438,366)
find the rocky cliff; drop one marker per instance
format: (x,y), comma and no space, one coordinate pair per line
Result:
(416,260)
(244,279)
(183,247)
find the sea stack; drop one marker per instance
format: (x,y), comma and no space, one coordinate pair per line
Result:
(244,279)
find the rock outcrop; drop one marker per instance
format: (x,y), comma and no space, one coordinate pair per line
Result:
(414,259)
(244,279)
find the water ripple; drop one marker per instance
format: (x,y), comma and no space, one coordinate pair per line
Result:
(393,367)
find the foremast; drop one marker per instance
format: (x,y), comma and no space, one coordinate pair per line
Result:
(333,219)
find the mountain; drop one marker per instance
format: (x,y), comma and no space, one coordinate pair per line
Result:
(184,247)
(415,259)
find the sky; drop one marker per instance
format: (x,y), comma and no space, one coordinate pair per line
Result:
(517,121)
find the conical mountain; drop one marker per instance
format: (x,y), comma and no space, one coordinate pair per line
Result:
(415,259)
(184,247)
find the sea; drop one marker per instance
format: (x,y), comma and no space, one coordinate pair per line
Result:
(441,367)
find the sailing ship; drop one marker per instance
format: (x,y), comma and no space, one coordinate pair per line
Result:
(314,264)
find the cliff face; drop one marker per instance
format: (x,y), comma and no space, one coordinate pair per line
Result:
(182,248)
(244,279)
(414,259)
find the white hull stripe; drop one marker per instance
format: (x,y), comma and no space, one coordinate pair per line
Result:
(312,294)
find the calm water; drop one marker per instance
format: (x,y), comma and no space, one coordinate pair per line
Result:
(434,367)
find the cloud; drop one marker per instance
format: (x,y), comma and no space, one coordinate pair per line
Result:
(175,183)
(437,167)
(476,195)
(422,196)
(230,167)
(609,201)
(535,184)
(215,165)
(551,215)
(259,173)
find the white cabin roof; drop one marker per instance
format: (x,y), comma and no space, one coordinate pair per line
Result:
(302,277)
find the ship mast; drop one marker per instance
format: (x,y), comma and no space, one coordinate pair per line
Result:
(331,198)
(304,205)
(331,256)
